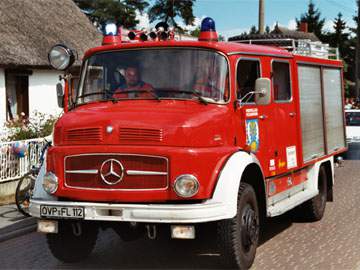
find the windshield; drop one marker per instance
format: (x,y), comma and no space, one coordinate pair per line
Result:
(155,73)
(352,118)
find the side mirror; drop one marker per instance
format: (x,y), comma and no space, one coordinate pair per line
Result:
(60,95)
(262,91)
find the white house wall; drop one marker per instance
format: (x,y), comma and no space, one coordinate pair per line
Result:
(42,92)
(2,100)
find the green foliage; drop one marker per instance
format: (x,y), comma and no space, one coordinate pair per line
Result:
(38,126)
(121,12)
(195,32)
(312,18)
(168,10)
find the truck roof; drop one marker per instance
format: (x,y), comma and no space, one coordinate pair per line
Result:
(227,48)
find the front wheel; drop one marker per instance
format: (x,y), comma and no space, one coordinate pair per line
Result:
(238,237)
(74,241)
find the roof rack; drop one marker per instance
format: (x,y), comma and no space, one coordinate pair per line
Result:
(304,47)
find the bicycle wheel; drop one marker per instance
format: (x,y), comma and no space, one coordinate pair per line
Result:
(23,193)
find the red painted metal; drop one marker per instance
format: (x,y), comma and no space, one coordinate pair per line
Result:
(195,138)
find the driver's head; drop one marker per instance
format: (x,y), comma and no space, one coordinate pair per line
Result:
(132,76)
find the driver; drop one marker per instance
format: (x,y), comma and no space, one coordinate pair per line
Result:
(133,86)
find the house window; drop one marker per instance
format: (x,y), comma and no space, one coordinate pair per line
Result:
(248,70)
(281,81)
(17,95)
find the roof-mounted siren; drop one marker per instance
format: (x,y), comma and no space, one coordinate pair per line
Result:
(137,35)
(208,30)
(112,35)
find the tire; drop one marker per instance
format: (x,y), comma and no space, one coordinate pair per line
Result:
(238,237)
(23,193)
(314,209)
(68,247)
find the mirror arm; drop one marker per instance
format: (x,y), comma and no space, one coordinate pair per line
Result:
(248,95)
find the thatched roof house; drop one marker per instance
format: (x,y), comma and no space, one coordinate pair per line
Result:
(28,29)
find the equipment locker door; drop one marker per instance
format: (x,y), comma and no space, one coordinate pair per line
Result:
(285,116)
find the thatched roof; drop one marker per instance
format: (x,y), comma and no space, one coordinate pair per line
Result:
(279,32)
(29,28)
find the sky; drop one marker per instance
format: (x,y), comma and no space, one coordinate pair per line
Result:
(232,17)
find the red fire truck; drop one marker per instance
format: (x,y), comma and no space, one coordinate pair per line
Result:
(171,134)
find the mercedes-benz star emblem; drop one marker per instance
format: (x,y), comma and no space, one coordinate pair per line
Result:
(111,171)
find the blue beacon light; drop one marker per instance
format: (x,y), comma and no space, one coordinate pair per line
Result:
(208,30)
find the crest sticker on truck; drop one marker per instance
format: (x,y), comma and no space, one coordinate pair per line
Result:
(252,134)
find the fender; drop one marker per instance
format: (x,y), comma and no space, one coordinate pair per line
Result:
(313,173)
(39,193)
(227,187)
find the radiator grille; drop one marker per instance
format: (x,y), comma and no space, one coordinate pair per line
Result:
(84,135)
(139,171)
(136,134)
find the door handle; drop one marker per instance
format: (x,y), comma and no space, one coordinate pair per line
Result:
(263,117)
(292,114)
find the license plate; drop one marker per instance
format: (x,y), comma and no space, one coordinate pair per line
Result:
(48,211)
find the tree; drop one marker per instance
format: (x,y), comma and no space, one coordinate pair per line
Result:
(253,30)
(168,10)
(312,18)
(339,38)
(123,13)
(267,29)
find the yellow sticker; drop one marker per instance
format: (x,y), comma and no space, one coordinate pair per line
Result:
(281,164)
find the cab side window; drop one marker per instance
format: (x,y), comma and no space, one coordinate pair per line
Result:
(281,81)
(248,70)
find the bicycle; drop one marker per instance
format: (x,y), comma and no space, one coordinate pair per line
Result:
(25,187)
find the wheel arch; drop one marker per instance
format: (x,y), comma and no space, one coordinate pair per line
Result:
(253,176)
(240,167)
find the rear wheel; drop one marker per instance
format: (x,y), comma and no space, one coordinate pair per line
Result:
(316,206)
(74,241)
(314,209)
(238,237)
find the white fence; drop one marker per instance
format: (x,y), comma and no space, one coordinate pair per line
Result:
(11,166)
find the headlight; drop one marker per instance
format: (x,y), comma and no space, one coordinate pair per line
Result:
(61,57)
(186,185)
(50,182)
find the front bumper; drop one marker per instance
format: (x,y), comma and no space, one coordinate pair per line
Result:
(152,213)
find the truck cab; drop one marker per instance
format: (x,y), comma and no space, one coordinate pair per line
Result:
(184,133)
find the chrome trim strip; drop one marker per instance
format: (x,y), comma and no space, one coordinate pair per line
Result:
(135,172)
(83,171)
(260,54)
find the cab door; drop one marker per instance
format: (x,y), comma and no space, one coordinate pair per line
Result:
(254,121)
(285,116)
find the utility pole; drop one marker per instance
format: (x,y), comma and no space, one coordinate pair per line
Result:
(357,55)
(261,16)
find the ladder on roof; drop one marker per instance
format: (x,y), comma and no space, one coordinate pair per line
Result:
(304,47)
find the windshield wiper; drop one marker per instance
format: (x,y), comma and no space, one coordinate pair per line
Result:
(105,93)
(151,92)
(201,98)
